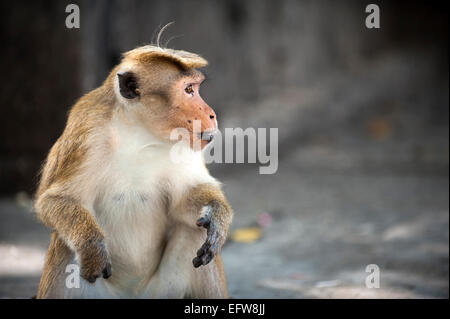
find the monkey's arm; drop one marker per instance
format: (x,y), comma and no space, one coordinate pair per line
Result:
(77,227)
(213,213)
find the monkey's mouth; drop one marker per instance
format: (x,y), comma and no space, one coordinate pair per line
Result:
(207,135)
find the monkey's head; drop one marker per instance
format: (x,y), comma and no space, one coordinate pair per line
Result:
(162,87)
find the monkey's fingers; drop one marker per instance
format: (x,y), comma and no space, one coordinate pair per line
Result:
(90,276)
(203,260)
(91,279)
(197,262)
(208,250)
(106,273)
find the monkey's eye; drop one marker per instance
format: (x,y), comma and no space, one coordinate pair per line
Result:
(189,89)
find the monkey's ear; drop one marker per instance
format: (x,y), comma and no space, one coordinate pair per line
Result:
(128,85)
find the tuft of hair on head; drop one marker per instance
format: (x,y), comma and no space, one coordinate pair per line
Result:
(149,53)
(160,32)
(158,37)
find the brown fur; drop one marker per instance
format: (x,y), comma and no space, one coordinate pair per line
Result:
(91,112)
(55,260)
(58,203)
(73,224)
(208,195)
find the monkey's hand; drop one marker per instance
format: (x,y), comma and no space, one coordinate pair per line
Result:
(95,261)
(216,219)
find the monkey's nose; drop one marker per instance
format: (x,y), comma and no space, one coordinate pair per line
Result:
(213,119)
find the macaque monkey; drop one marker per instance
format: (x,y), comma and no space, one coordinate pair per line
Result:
(136,223)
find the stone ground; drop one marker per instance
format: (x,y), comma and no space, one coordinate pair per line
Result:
(327,226)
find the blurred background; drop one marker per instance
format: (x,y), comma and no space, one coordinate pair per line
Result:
(363,119)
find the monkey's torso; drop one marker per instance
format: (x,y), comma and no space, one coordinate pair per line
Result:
(127,188)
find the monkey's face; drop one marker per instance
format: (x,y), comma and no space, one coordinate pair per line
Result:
(169,99)
(189,111)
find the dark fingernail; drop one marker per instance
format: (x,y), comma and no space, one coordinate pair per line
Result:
(197,262)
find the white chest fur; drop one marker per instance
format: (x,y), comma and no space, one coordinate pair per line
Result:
(132,202)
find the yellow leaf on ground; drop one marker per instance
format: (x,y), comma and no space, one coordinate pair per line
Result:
(246,235)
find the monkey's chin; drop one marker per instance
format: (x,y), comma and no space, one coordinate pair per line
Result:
(206,137)
(199,145)
(205,144)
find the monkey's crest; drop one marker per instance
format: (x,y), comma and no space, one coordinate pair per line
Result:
(148,53)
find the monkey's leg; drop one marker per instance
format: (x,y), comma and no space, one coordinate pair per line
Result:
(209,283)
(52,280)
(53,283)
(185,270)
(177,278)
